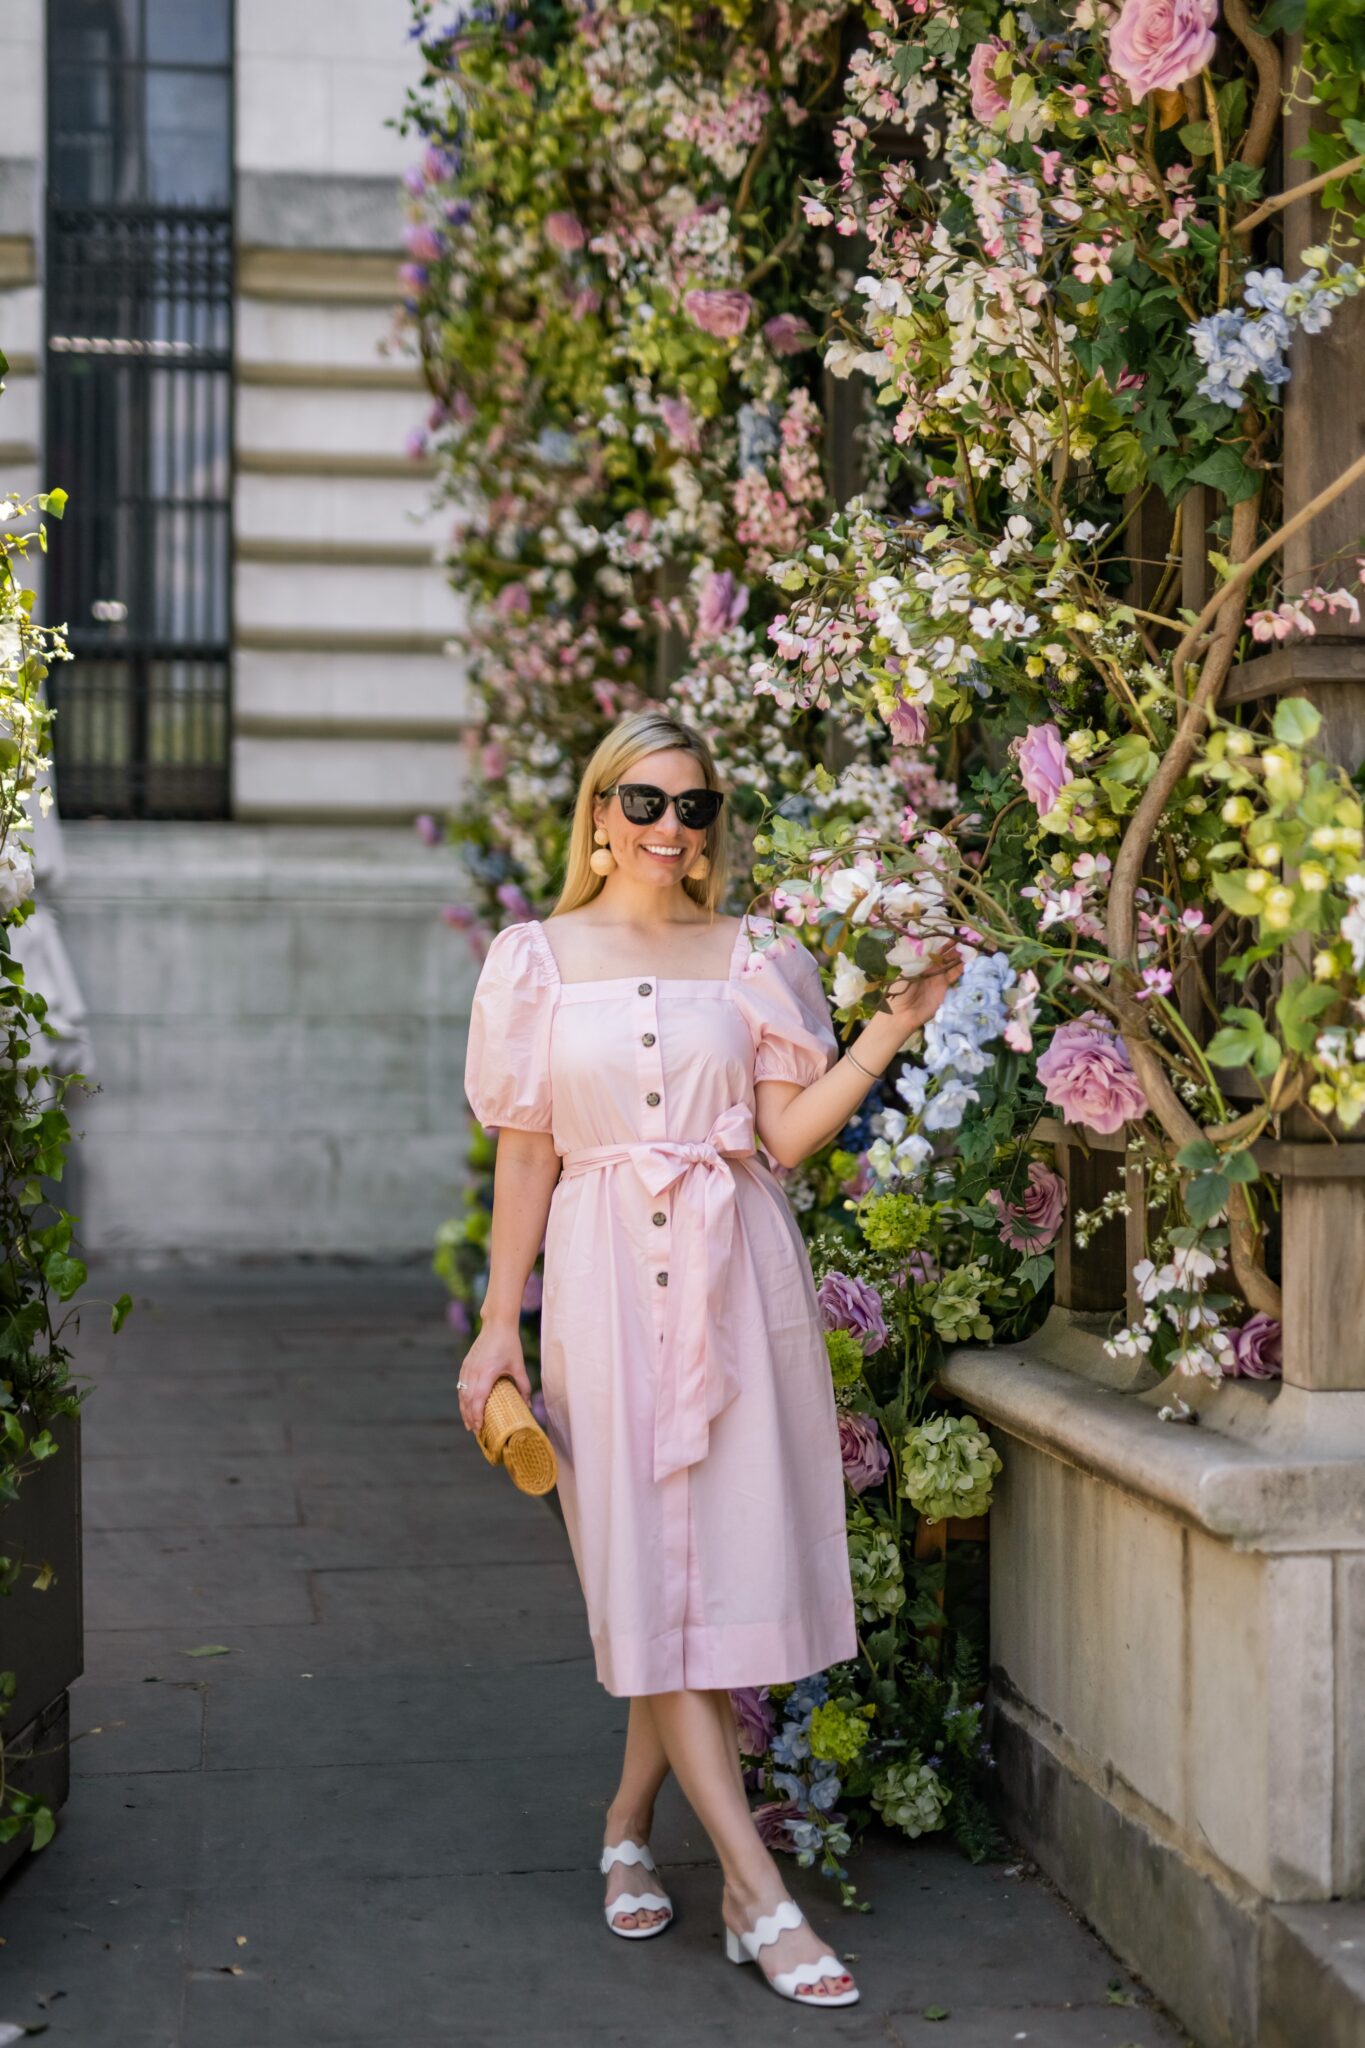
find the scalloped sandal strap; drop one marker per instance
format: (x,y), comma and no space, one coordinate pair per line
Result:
(767,1928)
(639,1902)
(626,1852)
(810,1973)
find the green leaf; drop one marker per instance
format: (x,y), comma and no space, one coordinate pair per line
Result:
(1297,1009)
(1197,137)
(1206,1195)
(1200,1156)
(937,2012)
(1242,1168)
(123,1308)
(44,1826)
(1232,889)
(1035,1270)
(53,503)
(1287,16)
(1225,472)
(1296,721)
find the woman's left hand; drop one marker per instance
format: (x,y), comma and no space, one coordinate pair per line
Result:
(913,1003)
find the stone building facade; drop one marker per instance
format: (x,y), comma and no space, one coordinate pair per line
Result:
(200,220)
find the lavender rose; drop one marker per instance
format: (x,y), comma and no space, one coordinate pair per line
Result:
(987,98)
(772,1820)
(724,314)
(754,1719)
(565,232)
(1258,1349)
(849,1304)
(866,1458)
(1044,768)
(1087,1074)
(1156,45)
(787,334)
(723,604)
(1030,1226)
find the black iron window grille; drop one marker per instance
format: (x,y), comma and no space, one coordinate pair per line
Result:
(139,402)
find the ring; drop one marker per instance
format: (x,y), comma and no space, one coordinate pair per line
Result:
(459,1386)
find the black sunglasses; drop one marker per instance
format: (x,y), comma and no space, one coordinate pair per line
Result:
(643,804)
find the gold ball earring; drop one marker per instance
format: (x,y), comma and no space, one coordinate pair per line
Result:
(602,860)
(700,868)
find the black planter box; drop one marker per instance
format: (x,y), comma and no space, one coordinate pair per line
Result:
(41,1633)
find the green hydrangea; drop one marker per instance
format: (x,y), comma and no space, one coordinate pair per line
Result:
(947,1467)
(954,1303)
(838,1733)
(911,1797)
(894,1223)
(845,1358)
(843,1165)
(874,1562)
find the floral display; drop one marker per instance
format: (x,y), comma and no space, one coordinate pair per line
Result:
(874,387)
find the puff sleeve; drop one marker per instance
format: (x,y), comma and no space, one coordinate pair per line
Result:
(784,999)
(507,1056)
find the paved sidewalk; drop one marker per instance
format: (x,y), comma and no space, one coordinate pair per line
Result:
(377,1819)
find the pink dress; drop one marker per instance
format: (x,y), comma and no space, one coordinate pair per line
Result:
(685,1378)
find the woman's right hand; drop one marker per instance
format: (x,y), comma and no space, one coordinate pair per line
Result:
(495,1354)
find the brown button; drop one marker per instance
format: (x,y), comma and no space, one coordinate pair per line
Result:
(662,1279)
(652,1098)
(659,1216)
(648,1038)
(646,988)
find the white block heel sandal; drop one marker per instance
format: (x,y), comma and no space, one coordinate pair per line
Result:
(744,1948)
(634,1902)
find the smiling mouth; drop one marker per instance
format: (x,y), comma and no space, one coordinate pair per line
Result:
(665,852)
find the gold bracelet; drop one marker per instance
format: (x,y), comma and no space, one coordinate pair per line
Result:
(851,1055)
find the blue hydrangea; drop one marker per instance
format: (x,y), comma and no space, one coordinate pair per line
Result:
(1235,344)
(758,436)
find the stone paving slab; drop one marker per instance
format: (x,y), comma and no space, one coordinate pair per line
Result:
(392,1786)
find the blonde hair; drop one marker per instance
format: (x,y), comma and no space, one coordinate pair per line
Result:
(630,739)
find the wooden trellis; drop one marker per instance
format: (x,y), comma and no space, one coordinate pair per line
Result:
(1322,1173)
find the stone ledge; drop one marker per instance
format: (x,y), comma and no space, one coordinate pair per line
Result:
(1189,1936)
(1313,1973)
(1290,1495)
(149,863)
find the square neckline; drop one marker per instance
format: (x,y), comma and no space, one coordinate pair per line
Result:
(623,980)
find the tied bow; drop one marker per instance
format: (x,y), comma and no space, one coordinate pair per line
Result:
(698,1379)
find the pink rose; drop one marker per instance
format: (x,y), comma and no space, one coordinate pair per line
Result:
(723,604)
(908,723)
(724,314)
(1156,45)
(422,242)
(987,98)
(680,423)
(1087,1074)
(1258,1349)
(1044,768)
(865,1456)
(565,232)
(787,334)
(1030,1226)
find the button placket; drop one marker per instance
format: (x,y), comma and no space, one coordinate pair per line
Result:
(649,1067)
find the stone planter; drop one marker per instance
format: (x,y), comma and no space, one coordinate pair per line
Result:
(41,1633)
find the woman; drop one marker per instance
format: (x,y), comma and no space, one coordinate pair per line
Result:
(626,1062)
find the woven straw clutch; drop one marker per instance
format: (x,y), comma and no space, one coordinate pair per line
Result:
(511,1436)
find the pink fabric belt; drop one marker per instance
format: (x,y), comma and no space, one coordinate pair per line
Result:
(697,1380)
